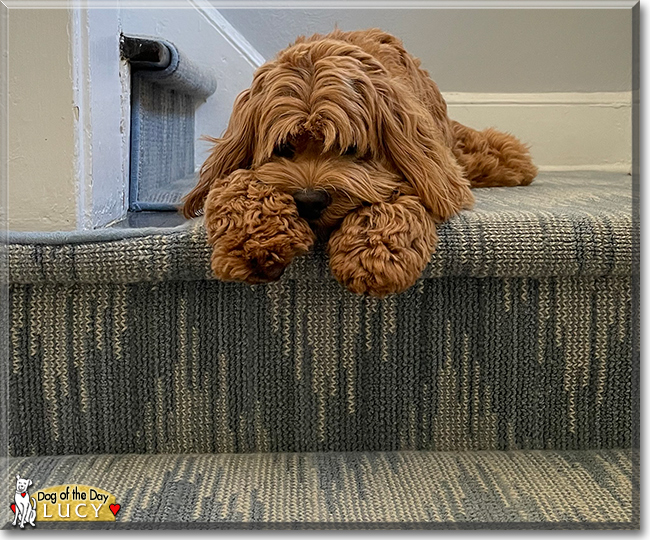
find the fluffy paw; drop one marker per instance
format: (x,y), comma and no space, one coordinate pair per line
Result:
(382,249)
(492,158)
(255,230)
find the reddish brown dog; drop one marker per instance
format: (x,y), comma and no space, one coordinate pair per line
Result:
(345,138)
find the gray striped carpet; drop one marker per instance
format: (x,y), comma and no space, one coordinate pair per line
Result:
(519,336)
(500,391)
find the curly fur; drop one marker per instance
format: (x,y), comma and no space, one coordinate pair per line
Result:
(352,114)
(254,228)
(383,248)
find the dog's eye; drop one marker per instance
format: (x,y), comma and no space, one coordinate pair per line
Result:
(284,150)
(351,151)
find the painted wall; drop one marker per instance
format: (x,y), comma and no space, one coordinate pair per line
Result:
(558,79)
(42,190)
(477,50)
(69,106)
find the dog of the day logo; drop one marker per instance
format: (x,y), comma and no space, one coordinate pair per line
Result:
(69,502)
(24,506)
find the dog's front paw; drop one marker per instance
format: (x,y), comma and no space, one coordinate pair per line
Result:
(382,249)
(255,260)
(255,230)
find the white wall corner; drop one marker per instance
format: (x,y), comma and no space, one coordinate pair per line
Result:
(101,100)
(79,40)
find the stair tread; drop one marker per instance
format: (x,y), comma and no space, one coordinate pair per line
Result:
(542,488)
(564,224)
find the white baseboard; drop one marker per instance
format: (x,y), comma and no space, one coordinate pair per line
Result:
(593,99)
(610,167)
(566,131)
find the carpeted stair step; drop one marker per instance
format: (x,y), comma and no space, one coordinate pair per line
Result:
(522,489)
(518,336)
(166,88)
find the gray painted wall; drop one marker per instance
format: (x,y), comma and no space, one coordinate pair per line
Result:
(477,50)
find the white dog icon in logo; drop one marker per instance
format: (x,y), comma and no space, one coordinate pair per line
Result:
(25,512)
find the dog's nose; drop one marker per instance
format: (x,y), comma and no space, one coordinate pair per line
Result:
(311,202)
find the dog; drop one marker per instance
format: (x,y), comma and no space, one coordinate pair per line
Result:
(25,512)
(344,138)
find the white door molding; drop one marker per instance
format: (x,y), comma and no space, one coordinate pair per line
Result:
(101,94)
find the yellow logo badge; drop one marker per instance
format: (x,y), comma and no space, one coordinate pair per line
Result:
(74,502)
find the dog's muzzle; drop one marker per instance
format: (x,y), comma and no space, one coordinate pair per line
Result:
(312,203)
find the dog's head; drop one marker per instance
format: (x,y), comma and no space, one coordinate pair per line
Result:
(22,484)
(326,123)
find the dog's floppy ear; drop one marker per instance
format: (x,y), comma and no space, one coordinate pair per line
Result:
(414,144)
(30,483)
(17,477)
(231,152)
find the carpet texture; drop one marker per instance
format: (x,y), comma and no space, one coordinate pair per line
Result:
(163,103)
(203,366)
(519,336)
(536,489)
(564,224)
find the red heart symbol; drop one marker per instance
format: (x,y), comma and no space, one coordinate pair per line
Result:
(115,508)
(13,507)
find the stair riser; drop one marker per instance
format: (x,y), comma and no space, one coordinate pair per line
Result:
(203,366)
